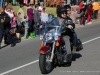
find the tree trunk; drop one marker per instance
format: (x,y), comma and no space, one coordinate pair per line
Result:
(36,1)
(44,3)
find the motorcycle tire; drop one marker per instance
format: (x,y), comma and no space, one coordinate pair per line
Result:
(42,64)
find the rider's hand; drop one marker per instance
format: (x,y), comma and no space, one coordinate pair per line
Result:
(70,27)
(40,26)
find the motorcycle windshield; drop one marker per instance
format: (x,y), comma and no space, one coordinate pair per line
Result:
(53,29)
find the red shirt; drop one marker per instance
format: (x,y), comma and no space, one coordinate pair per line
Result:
(81,5)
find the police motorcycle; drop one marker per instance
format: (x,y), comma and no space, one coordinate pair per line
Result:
(53,49)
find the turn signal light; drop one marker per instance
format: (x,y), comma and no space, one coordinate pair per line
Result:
(57,43)
(41,43)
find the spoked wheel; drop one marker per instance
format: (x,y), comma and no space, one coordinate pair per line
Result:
(45,65)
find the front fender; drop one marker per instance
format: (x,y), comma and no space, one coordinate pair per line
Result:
(44,49)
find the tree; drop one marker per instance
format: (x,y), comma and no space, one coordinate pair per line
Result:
(45,3)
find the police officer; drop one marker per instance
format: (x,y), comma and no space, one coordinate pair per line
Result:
(61,20)
(74,36)
(5,27)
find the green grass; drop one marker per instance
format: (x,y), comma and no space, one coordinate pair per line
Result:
(48,9)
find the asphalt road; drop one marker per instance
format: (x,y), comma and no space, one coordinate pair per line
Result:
(23,58)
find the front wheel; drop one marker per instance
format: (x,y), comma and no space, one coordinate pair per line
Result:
(45,65)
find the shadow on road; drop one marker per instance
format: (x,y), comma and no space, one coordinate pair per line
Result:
(76,56)
(5,46)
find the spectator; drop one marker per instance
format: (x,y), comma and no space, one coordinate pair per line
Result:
(95,9)
(25,22)
(89,12)
(21,11)
(83,15)
(44,19)
(19,25)
(37,19)
(81,5)
(8,11)
(40,7)
(11,15)
(13,27)
(44,16)
(30,16)
(5,26)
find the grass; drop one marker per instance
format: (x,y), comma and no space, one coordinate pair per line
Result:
(48,9)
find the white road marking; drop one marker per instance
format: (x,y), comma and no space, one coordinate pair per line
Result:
(38,60)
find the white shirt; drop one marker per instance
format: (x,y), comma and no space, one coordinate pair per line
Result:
(11,15)
(44,17)
(40,8)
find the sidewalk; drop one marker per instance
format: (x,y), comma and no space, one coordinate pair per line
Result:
(77,26)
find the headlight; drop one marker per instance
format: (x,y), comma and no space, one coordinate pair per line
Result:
(49,36)
(56,37)
(41,37)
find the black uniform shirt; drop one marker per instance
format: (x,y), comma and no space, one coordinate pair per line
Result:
(6,23)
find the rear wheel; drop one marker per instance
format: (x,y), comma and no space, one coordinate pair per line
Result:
(45,65)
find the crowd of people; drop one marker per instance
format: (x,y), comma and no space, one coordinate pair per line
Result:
(86,12)
(21,24)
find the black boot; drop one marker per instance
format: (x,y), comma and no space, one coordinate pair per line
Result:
(6,42)
(69,57)
(74,50)
(13,44)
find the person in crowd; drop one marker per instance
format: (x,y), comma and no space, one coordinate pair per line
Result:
(81,5)
(30,15)
(13,27)
(5,27)
(8,11)
(95,9)
(36,20)
(21,10)
(9,6)
(44,16)
(19,25)
(11,15)
(25,22)
(44,19)
(89,13)
(40,7)
(83,12)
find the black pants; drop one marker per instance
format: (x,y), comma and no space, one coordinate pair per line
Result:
(6,31)
(74,39)
(95,14)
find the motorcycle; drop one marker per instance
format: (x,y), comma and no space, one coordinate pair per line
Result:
(53,48)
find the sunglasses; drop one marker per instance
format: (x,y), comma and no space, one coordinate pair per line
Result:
(64,13)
